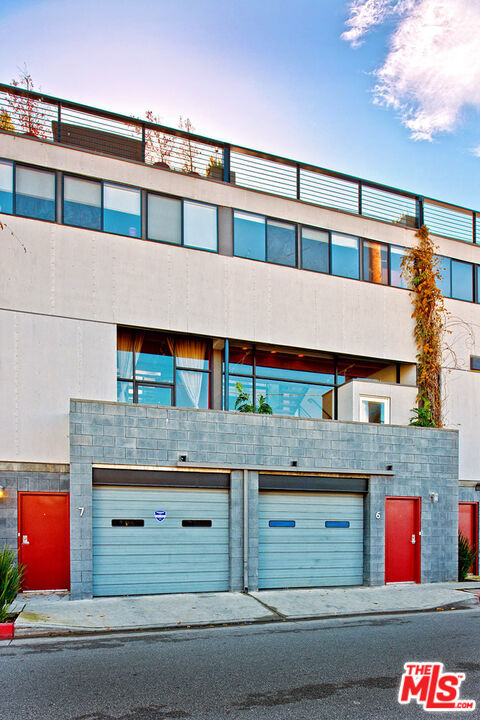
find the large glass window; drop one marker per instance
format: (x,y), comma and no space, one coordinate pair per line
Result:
(249,235)
(462,280)
(199,225)
(445,282)
(82,203)
(6,187)
(315,250)
(121,210)
(375,262)
(345,256)
(35,193)
(155,368)
(396,275)
(164,219)
(281,243)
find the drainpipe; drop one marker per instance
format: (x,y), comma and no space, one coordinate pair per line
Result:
(245,530)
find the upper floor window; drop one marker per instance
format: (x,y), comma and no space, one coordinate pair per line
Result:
(259,238)
(396,275)
(374,409)
(35,193)
(82,203)
(6,187)
(345,256)
(182,222)
(375,262)
(159,369)
(315,250)
(121,210)
(456,279)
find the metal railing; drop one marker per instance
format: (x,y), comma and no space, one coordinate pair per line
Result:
(62,121)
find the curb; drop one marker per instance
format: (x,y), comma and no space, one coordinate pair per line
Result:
(69,631)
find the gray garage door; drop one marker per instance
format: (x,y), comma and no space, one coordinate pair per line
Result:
(159,540)
(310,539)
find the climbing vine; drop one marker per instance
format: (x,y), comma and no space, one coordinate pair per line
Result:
(420,268)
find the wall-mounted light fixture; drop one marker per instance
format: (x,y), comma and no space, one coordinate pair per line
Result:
(2,491)
(182,458)
(433,496)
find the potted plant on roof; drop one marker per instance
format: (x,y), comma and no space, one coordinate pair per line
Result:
(158,145)
(26,110)
(215,168)
(189,150)
(10,578)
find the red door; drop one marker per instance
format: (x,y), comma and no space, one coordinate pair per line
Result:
(468,526)
(402,540)
(43,540)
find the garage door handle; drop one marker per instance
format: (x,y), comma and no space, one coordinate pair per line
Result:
(414,540)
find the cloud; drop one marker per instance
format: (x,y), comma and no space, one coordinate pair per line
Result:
(365,14)
(432,70)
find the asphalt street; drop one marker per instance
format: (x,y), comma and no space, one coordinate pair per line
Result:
(341,668)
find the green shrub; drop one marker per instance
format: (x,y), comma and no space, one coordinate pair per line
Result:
(10,579)
(243,404)
(466,556)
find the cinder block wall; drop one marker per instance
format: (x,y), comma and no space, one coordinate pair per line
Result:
(18,479)
(422,459)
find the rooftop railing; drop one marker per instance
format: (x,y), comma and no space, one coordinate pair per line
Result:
(62,121)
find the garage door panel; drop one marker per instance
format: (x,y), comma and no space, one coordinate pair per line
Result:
(309,554)
(160,557)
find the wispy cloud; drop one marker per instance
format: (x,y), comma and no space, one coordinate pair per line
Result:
(365,14)
(432,69)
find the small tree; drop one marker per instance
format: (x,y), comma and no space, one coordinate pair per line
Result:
(466,555)
(158,145)
(420,267)
(25,110)
(243,404)
(10,579)
(6,122)
(189,151)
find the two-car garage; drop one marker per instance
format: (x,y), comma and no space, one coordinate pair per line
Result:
(170,532)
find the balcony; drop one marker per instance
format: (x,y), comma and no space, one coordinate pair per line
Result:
(68,123)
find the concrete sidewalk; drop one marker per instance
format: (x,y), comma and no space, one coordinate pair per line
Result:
(42,614)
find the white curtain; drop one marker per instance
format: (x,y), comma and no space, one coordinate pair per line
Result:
(191,353)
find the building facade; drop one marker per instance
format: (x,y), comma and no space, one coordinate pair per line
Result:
(145,303)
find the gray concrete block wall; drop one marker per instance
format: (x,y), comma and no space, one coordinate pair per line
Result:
(423,460)
(15,481)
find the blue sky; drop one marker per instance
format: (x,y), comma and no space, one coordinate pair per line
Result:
(276,75)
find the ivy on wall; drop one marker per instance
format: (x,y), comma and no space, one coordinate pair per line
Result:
(420,268)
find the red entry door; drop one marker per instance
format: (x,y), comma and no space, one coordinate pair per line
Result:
(44,540)
(468,526)
(402,540)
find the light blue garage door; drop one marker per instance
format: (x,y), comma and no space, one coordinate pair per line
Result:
(159,540)
(309,539)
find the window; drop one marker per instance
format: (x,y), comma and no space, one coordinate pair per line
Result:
(200,226)
(291,383)
(374,410)
(462,280)
(375,262)
(345,256)
(121,210)
(249,235)
(281,243)
(35,193)
(444,284)
(82,203)
(164,219)
(315,250)
(159,369)
(396,257)
(6,187)
(478,282)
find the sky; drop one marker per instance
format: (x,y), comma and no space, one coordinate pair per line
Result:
(388,90)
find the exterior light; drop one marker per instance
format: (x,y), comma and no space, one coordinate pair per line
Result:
(2,491)
(273,352)
(433,497)
(182,458)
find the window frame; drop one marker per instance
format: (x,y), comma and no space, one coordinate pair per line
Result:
(462,262)
(173,385)
(182,201)
(382,244)
(29,166)
(75,176)
(300,266)
(380,399)
(267,219)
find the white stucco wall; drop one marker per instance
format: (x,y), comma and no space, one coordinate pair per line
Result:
(59,278)
(402,399)
(45,361)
